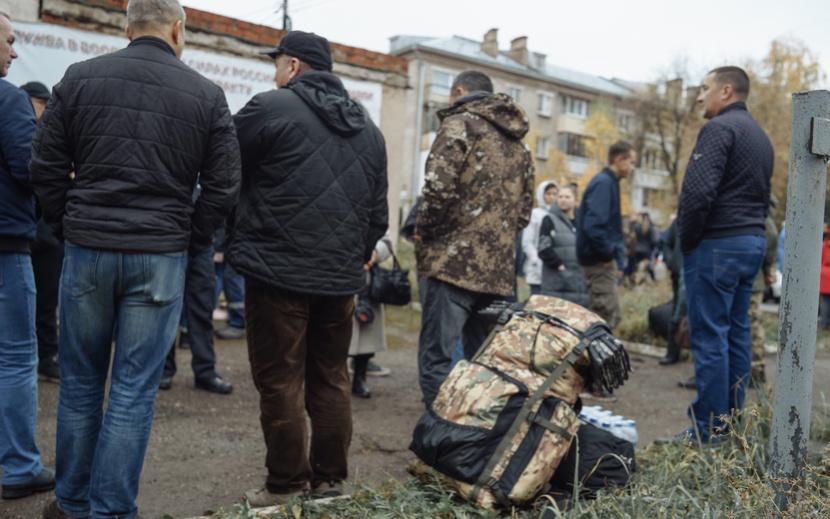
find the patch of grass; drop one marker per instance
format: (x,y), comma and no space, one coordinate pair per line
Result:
(635,302)
(673,482)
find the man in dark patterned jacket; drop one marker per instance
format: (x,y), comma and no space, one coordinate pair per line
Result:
(115,160)
(723,204)
(312,207)
(478,195)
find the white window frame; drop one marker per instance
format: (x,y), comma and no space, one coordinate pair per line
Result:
(439,88)
(545,103)
(511,89)
(575,106)
(542,148)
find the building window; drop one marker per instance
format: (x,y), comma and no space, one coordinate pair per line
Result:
(515,93)
(625,122)
(573,145)
(442,82)
(542,145)
(545,104)
(575,106)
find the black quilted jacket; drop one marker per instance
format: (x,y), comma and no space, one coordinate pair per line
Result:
(137,127)
(313,200)
(727,184)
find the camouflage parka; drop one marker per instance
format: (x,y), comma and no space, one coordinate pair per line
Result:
(477,196)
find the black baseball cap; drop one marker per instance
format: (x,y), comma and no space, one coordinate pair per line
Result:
(305,46)
(36,90)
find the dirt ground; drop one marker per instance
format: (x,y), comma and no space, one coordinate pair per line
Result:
(206,450)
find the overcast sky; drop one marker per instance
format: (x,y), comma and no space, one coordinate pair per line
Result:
(631,39)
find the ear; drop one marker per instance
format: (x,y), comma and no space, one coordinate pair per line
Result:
(727,91)
(128,32)
(293,68)
(178,29)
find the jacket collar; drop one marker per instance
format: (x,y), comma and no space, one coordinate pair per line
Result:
(154,42)
(739,105)
(610,172)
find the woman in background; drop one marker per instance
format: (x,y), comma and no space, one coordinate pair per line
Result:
(561,274)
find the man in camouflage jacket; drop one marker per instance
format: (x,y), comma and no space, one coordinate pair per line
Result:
(477,197)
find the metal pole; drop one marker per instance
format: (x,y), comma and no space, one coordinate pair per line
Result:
(799,303)
(285,15)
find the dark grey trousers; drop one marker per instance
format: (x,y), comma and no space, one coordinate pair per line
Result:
(448,313)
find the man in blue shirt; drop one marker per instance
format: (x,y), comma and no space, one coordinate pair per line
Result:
(721,224)
(23,473)
(600,246)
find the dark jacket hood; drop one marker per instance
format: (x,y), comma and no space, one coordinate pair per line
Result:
(325,94)
(498,109)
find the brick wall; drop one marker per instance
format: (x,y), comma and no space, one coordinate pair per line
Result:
(244,31)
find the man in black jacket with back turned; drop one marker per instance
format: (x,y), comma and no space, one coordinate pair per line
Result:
(312,207)
(115,161)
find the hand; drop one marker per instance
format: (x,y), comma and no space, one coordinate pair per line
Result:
(372,260)
(770,278)
(218,257)
(561,267)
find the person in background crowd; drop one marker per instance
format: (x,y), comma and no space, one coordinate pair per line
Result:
(477,197)
(546,193)
(824,289)
(561,274)
(23,472)
(673,259)
(765,278)
(369,336)
(197,327)
(721,216)
(115,161)
(47,261)
(229,281)
(312,208)
(599,238)
(630,233)
(646,242)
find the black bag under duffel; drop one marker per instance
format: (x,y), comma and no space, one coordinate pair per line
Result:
(605,461)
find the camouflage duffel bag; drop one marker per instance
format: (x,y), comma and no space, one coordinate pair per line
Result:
(503,422)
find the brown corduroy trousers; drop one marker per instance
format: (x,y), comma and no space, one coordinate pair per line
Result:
(298,345)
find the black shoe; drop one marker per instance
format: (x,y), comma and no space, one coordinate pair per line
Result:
(49,369)
(360,388)
(166,383)
(215,384)
(184,341)
(670,358)
(53,510)
(230,333)
(689,383)
(43,482)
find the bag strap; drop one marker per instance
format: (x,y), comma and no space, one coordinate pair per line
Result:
(486,480)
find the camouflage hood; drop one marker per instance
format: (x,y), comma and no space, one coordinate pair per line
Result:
(498,109)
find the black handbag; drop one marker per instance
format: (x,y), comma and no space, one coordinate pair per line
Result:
(390,287)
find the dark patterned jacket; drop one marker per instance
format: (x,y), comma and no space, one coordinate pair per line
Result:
(727,185)
(313,200)
(478,195)
(138,127)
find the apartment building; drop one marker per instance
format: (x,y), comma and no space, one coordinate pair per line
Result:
(557,100)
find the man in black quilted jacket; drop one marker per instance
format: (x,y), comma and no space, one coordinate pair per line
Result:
(721,223)
(115,161)
(312,207)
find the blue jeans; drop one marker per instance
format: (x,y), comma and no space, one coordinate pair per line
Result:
(233,284)
(19,456)
(134,300)
(718,276)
